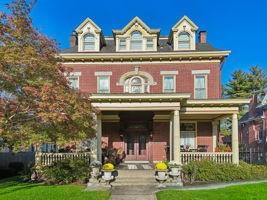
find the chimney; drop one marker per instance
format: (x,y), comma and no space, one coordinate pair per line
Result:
(202,37)
(73,39)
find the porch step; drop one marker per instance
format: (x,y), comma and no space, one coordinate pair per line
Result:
(135,177)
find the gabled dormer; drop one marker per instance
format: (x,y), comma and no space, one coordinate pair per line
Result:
(183,35)
(136,36)
(89,36)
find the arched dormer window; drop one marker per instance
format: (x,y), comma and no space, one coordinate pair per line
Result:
(89,42)
(184,40)
(136,40)
(136,84)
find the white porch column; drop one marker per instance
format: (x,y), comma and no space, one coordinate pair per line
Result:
(171,138)
(235,148)
(99,136)
(176,137)
(215,124)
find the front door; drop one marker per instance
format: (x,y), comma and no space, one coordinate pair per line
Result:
(136,146)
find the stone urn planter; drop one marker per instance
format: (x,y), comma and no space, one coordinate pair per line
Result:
(95,174)
(108,173)
(161,174)
(175,173)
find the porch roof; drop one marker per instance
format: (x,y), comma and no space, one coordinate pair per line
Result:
(126,97)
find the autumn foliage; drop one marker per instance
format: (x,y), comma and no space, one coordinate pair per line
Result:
(36,105)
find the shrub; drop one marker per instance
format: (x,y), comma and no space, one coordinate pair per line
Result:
(210,171)
(16,166)
(67,171)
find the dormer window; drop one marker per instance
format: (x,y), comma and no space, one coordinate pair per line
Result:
(136,40)
(89,42)
(184,40)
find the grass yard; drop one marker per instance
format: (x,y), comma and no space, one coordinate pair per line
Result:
(13,189)
(245,192)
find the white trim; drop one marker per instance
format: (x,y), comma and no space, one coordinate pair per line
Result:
(98,86)
(206,85)
(72,74)
(103,73)
(142,62)
(174,83)
(201,72)
(187,122)
(169,72)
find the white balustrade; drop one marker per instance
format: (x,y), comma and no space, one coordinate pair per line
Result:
(48,158)
(219,157)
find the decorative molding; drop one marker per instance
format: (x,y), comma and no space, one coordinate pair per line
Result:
(72,74)
(169,72)
(201,71)
(103,73)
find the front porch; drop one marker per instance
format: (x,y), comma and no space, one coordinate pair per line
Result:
(153,128)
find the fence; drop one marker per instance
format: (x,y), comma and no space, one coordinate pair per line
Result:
(220,157)
(49,158)
(251,155)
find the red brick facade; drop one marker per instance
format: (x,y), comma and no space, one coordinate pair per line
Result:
(184,79)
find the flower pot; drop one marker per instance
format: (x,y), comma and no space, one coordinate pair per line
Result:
(175,171)
(108,176)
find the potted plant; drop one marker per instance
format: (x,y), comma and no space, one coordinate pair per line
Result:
(161,173)
(107,173)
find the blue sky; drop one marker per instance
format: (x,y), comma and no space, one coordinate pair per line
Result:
(236,25)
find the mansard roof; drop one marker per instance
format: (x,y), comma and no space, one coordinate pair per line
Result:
(163,46)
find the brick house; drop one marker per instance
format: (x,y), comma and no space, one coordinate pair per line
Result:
(253,125)
(159,97)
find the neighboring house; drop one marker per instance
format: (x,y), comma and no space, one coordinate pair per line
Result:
(253,125)
(159,97)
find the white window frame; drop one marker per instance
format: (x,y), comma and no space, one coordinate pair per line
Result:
(131,40)
(206,85)
(184,132)
(125,46)
(150,43)
(189,41)
(98,84)
(143,85)
(75,75)
(174,83)
(83,38)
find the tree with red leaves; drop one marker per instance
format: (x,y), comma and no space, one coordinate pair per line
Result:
(36,105)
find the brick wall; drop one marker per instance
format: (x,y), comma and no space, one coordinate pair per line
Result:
(184,80)
(204,134)
(160,141)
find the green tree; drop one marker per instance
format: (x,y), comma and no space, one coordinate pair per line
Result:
(257,80)
(36,105)
(238,86)
(244,85)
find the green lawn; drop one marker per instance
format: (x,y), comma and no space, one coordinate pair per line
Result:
(247,192)
(13,189)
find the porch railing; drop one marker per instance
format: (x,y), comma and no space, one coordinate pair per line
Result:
(48,158)
(219,157)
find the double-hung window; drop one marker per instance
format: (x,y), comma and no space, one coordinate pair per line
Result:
(200,87)
(168,84)
(89,42)
(122,44)
(136,41)
(74,82)
(149,44)
(184,40)
(103,84)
